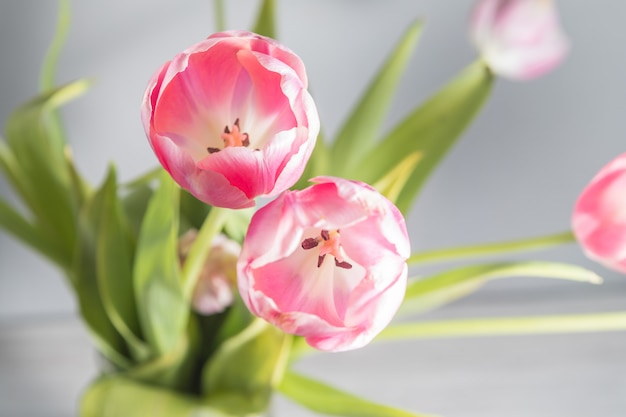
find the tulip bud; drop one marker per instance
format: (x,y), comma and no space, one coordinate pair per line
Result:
(518,39)
(218,278)
(599,219)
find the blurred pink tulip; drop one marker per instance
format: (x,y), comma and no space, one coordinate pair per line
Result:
(599,219)
(230,118)
(518,39)
(215,286)
(327,263)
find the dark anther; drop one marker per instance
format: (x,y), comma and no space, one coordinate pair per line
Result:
(226,129)
(236,122)
(246,140)
(212,150)
(325,234)
(309,243)
(320,259)
(344,264)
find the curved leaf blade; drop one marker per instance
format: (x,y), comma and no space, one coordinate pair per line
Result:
(362,127)
(266,20)
(506,326)
(461,281)
(161,306)
(114,260)
(431,130)
(325,399)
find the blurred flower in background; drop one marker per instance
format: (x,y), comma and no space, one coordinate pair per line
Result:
(518,39)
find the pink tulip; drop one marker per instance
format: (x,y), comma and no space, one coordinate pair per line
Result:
(518,39)
(214,290)
(230,118)
(599,219)
(327,263)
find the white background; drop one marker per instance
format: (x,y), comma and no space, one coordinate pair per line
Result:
(516,173)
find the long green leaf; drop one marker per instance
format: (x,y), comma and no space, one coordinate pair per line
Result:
(37,166)
(318,164)
(491,249)
(162,308)
(266,19)
(48,70)
(574,323)
(429,130)
(114,263)
(14,223)
(461,281)
(325,399)
(362,127)
(84,278)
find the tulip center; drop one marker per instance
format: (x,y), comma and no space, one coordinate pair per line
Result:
(232,137)
(329,242)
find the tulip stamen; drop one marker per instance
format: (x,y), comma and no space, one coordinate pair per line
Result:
(232,137)
(330,245)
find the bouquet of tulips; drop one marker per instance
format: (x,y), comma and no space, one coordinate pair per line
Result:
(258,240)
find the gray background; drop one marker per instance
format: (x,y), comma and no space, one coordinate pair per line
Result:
(516,173)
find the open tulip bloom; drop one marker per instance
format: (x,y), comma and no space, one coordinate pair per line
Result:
(230,118)
(327,263)
(200,305)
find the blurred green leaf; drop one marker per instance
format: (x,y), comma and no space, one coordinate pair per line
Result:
(48,70)
(116,396)
(162,308)
(324,399)
(135,203)
(220,20)
(394,181)
(574,323)
(461,281)
(491,249)
(15,224)
(249,364)
(200,248)
(430,130)
(266,19)
(192,211)
(84,278)
(114,266)
(360,130)
(36,166)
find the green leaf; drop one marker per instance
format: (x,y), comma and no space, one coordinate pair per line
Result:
(491,249)
(431,130)
(114,266)
(266,19)
(574,323)
(249,364)
(162,308)
(14,223)
(117,396)
(48,70)
(220,21)
(325,399)
(36,164)
(461,281)
(392,184)
(362,127)
(84,278)
(200,248)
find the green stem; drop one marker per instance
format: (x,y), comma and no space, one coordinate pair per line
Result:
(472,251)
(575,323)
(200,249)
(220,21)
